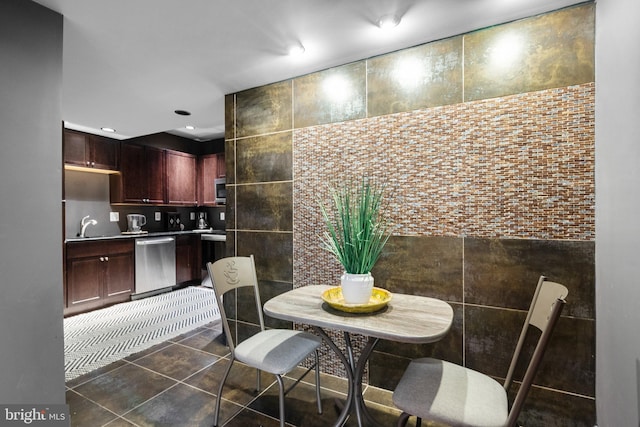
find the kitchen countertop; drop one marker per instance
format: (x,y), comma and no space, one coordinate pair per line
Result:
(208,232)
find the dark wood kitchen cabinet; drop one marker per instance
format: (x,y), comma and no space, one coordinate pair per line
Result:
(98,274)
(90,151)
(188,258)
(181,174)
(142,176)
(210,167)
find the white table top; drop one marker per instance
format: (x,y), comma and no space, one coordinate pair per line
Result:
(407,318)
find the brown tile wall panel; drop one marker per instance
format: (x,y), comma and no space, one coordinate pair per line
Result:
(547,51)
(504,272)
(264,158)
(329,96)
(246,303)
(246,311)
(272,252)
(386,369)
(422,265)
(424,76)
(264,109)
(246,330)
(229,117)
(264,206)
(230,160)
(491,335)
(549,408)
(449,347)
(268,290)
(230,211)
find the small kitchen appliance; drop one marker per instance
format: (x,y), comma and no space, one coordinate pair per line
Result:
(202,220)
(221,190)
(135,222)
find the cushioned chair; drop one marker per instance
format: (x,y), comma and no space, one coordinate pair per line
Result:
(440,391)
(276,351)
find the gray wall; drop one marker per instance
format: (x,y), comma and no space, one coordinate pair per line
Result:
(617,213)
(31,331)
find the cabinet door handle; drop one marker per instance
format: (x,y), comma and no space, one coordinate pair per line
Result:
(101,259)
(93,164)
(106,258)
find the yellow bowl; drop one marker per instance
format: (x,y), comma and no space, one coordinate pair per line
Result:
(379,299)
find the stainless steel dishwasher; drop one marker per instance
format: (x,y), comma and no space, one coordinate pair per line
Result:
(155,265)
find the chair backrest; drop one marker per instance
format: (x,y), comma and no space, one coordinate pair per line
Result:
(229,274)
(546,306)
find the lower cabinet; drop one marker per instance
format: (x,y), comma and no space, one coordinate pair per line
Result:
(98,274)
(188,255)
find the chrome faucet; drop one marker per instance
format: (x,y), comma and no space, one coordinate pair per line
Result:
(85,222)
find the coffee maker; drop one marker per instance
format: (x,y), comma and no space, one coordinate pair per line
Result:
(135,223)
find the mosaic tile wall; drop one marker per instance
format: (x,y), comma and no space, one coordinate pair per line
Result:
(489,166)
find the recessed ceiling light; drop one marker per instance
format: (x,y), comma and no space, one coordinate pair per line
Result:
(189,127)
(387,22)
(110,130)
(182,112)
(296,49)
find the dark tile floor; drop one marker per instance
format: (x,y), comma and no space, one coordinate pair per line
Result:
(174,384)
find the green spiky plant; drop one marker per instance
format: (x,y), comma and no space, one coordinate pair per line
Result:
(356,230)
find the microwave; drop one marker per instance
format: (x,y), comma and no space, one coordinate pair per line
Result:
(220,185)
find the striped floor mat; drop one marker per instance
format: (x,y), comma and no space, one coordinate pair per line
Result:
(95,339)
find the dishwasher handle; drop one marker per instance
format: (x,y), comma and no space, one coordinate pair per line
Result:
(156,241)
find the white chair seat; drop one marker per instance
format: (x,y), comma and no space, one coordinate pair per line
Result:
(277,351)
(441,391)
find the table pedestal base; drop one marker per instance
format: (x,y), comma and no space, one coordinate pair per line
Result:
(355,371)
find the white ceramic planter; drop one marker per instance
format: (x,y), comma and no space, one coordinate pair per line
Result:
(356,288)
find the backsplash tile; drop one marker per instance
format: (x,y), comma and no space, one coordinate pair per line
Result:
(505,168)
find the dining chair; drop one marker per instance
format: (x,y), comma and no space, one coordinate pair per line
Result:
(276,351)
(441,391)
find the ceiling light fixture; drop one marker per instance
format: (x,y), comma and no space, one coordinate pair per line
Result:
(387,22)
(182,112)
(189,127)
(296,49)
(110,130)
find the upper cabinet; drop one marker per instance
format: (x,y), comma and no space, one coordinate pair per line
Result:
(150,175)
(142,176)
(143,173)
(88,151)
(181,178)
(210,167)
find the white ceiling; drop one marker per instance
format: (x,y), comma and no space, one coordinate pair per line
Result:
(128,64)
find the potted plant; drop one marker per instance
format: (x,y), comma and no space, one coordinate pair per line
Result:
(355,235)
